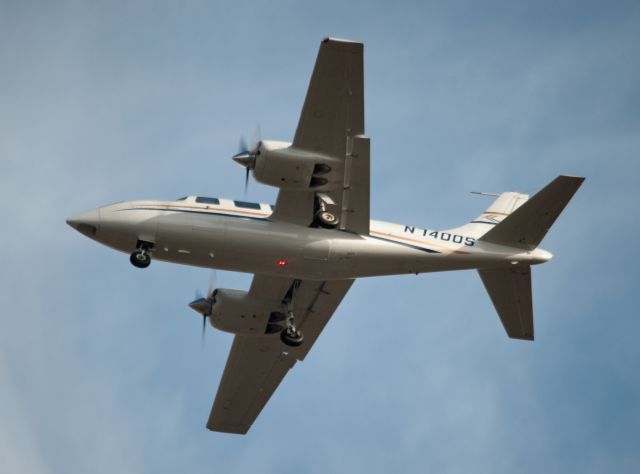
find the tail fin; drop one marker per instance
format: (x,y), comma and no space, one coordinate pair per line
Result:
(505,204)
(524,227)
(527,225)
(510,292)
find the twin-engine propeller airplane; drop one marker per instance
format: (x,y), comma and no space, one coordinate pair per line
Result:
(306,251)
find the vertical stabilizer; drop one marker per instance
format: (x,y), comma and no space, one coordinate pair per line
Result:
(523,228)
(505,204)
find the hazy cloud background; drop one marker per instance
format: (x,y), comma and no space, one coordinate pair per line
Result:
(101,367)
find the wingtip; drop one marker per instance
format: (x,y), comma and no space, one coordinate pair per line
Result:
(331,39)
(240,429)
(522,337)
(573,178)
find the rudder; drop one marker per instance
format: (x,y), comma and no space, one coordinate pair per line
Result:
(510,293)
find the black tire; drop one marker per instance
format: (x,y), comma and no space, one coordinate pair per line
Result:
(327,219)
(293,340)
(140,260)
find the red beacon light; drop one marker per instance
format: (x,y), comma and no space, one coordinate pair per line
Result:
(282,262)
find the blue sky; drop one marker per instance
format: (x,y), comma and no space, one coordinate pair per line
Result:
(101,367)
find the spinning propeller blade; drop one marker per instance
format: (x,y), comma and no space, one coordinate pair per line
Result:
(212,284)
(204,304)
(246,156)
(242,146)
(257,138)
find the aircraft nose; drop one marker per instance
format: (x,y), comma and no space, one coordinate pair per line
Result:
(86,223)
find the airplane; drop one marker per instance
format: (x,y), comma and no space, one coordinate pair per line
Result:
(307,250)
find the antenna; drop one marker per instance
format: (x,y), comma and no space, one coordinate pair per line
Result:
(482,193)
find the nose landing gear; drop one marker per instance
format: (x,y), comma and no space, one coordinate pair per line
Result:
(141,258)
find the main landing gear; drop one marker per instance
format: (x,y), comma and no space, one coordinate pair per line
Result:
(327,219)
(141,258)
(326,214)
(291,335)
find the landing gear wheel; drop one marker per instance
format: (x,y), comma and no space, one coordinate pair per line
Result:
(292,337)
(327,219)
(140,259)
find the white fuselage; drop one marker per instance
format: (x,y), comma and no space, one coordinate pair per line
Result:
(229,237)
(226,236)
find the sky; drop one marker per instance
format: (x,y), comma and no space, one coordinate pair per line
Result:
(101,365)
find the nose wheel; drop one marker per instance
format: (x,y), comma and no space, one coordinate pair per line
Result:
(141,258)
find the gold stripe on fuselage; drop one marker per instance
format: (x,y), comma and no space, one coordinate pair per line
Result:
(211,210)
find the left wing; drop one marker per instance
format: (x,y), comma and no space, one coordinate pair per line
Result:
(257,364)
(332,124)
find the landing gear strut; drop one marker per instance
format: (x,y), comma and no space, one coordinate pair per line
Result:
(291,335)
(141,258)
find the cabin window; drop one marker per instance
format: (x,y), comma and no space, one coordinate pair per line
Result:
(247,205)
(182,198)
(206,200)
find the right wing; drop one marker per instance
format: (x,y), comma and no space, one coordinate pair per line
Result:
(334,106)
(332,123)
(257,364)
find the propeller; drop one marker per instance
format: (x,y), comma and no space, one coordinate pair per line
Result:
(246,155)
(204,304)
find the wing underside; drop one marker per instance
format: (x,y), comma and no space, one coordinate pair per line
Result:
(332,125)
(257,364)
(334,106)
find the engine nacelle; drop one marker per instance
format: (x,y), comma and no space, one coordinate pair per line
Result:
(236,312)
(280,164)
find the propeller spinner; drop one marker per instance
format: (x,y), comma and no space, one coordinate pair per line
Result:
(204,304)
(247,155)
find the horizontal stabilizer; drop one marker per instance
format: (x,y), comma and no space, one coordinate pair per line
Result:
(510,292)
(528,224)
